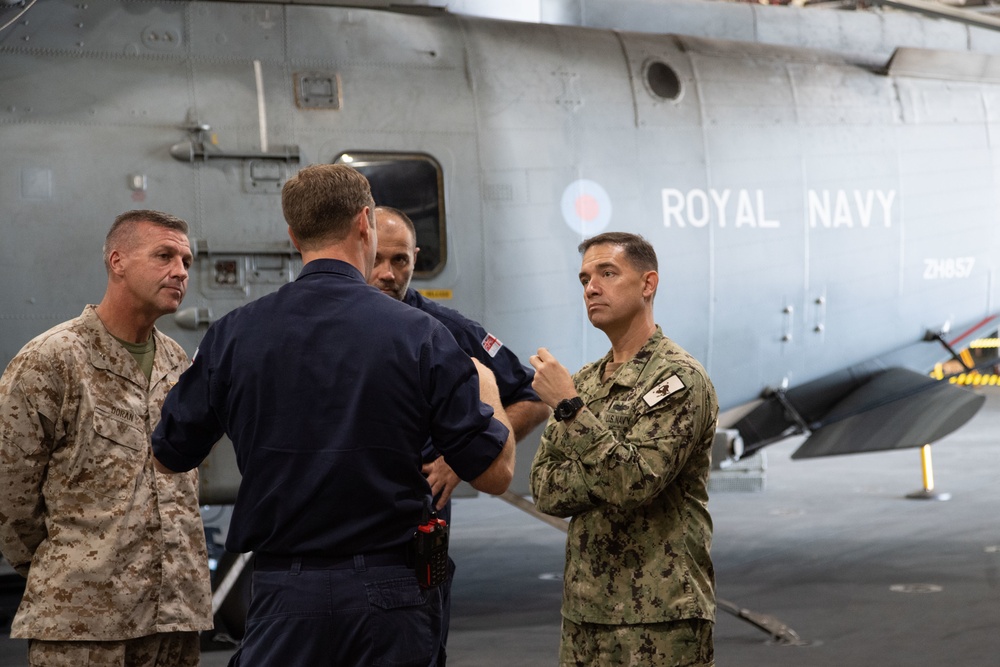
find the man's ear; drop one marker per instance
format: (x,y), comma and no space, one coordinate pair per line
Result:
(650,281)
(364,224)
(115,262)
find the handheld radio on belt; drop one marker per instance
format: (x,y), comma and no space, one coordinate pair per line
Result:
(430,551)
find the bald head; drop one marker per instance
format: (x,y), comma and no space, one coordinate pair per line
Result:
(396,255)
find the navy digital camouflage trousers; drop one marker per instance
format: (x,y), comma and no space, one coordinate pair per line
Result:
(686,643)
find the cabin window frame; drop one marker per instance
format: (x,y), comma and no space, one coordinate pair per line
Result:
(431,235)
(662,81)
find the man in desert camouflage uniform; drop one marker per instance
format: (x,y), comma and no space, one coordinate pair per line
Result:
(627,455)
(114,553)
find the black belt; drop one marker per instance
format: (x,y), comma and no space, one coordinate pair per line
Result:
(372,559)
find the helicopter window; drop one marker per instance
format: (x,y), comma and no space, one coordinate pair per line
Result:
(411,182)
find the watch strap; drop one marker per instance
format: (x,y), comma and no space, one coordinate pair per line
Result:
(567,408)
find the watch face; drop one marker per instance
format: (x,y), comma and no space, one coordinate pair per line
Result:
(567,408)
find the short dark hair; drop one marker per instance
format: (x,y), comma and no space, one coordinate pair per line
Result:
(402,216)
(638,250)
(121,230)
(320,201)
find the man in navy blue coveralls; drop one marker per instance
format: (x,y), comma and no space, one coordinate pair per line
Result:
(329,392)
(394,264)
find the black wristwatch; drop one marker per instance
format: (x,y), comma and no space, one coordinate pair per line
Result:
(567,408)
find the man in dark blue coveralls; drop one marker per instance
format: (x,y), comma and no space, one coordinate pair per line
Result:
(329,391)
(394,264)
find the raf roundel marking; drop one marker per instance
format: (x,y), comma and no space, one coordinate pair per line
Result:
(586,207)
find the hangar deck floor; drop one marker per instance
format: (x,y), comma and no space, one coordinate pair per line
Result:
(831,547)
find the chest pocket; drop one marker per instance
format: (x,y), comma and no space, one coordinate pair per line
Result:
(117,454)
(619,416)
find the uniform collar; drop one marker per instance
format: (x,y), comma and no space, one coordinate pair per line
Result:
(629,372)
(331,266)
(108,354)
(412,297)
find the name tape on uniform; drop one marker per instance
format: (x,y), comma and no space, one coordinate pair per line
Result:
(669,386)
(492,344)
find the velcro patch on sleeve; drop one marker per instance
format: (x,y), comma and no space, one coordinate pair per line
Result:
(669,386)
(491,344)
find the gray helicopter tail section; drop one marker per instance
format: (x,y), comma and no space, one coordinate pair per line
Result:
(861,409)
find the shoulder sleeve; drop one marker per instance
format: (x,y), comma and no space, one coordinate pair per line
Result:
(462,427)
(189,423)
(32,392)
(513,377)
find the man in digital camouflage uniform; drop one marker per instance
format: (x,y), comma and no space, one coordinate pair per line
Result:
(114,552)
(627,455)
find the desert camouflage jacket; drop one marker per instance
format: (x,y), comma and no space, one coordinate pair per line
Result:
(632,471)
(111,549)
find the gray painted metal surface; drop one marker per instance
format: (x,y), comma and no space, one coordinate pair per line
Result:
(869,35)
(810,213)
